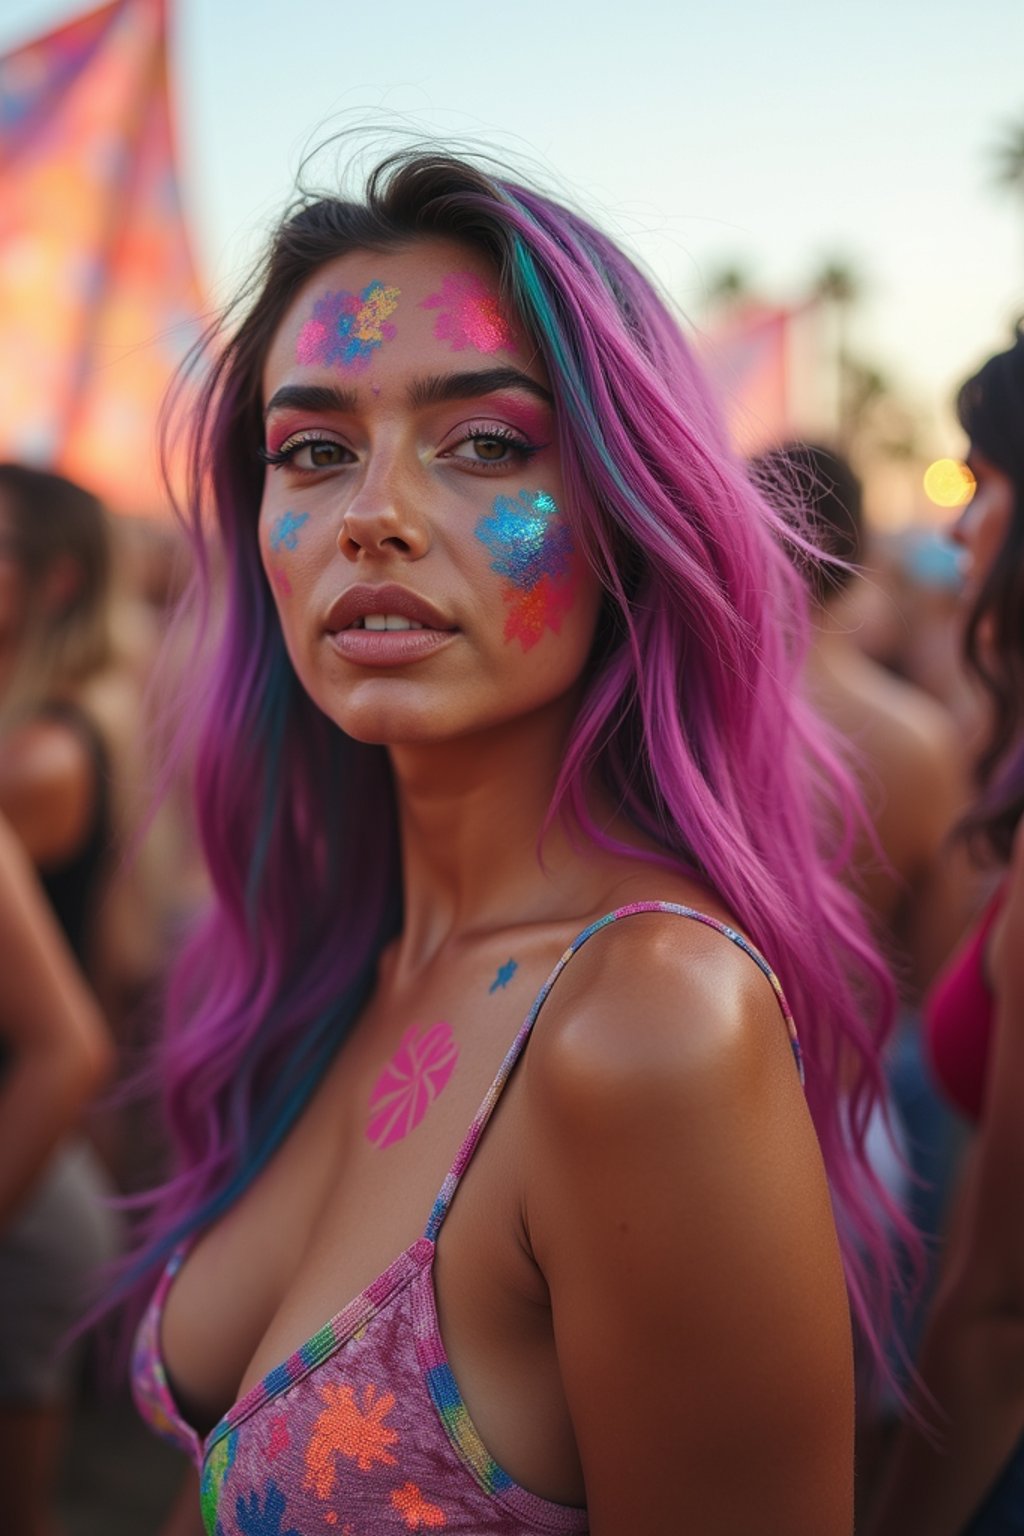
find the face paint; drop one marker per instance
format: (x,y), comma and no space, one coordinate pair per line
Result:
(531,613)
(471,315)
(504,976)
(285,532)
(280,580)
(417,1072)
(532,548)
(346,329)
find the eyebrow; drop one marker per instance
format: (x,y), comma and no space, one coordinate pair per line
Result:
(434,390)
(312,397)
(440,387)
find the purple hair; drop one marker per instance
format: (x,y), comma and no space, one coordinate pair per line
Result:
(692,716)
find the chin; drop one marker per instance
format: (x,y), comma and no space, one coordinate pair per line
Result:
(392,724)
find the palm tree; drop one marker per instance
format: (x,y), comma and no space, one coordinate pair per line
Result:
(839,286)
(728,284)
(1008,159)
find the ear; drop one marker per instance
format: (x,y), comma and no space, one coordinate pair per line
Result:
(61,585)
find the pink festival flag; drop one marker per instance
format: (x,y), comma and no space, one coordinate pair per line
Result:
(766,360)
(99,299)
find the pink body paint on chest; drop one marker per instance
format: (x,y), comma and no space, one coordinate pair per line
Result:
(417,1072)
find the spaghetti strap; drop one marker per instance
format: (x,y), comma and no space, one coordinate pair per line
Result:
(465,1153)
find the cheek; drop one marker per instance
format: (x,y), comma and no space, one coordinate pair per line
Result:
(531,551)
(285,536)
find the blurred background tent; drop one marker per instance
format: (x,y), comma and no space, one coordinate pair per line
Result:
(99,299)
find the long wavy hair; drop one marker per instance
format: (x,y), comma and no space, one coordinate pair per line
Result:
(692,715)
(990,406)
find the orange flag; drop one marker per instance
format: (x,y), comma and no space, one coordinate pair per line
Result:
(99,299)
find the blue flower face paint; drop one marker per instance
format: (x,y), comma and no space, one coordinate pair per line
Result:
(285,532)
(532,548)
(504,976)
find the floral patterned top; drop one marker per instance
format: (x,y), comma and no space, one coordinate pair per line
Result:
(363,1430)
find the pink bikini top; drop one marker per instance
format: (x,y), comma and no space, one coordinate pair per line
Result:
(959,1013)
(363,1430)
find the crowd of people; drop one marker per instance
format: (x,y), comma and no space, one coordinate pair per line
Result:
(555,1034)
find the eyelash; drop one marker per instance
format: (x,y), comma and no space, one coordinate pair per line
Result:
(521,450)
(277,458)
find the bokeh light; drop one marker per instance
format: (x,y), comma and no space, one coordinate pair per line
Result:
(948,483)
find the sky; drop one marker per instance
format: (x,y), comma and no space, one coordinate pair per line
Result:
(772,138)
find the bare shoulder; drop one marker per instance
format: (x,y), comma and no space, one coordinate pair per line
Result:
(46,786)
(916,726)
(661,1003)
(676,1204)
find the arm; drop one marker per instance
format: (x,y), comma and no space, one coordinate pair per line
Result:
(679,1211)
(943,883)
(57,1048)
(972,1360)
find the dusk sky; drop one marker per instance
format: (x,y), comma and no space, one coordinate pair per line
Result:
(769,137)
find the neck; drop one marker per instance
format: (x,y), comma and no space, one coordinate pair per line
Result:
(471,814)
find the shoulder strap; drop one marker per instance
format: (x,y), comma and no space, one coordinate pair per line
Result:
(465,1153)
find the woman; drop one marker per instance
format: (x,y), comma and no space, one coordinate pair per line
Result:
(54,1055)
(502,693)
(56,662)
(967,1475)
(70,738)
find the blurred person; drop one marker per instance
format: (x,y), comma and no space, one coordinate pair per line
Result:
(73,738)
(906,754)
(905,747)
(152,626)
(960,1472)
(906,615)
(504,769)
(55,1053)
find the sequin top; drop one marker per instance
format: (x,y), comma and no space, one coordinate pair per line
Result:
(363,1430)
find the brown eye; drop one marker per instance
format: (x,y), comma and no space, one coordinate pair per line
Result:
(490,448)
(322,454)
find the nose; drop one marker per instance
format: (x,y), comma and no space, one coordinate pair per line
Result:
(959,533)
(384,517)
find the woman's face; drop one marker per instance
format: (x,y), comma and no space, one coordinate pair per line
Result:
(983,525)
(412,524)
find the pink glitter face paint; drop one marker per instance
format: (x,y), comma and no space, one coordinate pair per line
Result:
(346,329)
(416,1074)
(532,547)
(471,315)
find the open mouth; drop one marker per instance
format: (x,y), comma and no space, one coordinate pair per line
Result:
(385,621)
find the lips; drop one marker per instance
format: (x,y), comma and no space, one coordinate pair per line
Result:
(350,611)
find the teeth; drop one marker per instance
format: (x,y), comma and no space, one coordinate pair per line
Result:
(380,621)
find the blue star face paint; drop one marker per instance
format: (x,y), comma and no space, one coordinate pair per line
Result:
(285,532)
(504,976)
(531,547)
(527,538)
